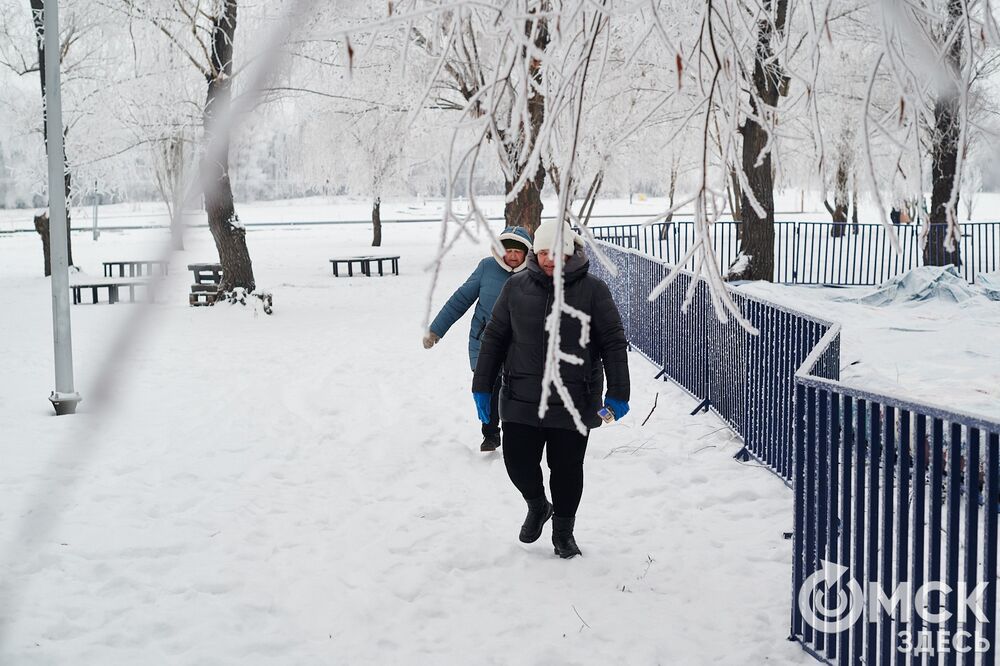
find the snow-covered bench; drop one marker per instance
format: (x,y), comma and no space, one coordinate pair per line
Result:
(206,283)
(364,263)
(113,288)
(135,268)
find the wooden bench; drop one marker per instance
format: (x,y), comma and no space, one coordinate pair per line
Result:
(207,278)
(113,289)
(135,268)
(364,263)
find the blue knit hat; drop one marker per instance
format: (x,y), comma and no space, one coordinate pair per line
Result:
(516,238)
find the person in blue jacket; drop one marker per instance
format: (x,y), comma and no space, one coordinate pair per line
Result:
(482,288)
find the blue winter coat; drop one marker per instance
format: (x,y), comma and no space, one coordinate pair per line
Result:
(482,288)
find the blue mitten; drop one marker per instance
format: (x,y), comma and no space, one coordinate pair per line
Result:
(482,406)
(619,407)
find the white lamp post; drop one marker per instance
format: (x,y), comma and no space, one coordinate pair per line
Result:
(65,397)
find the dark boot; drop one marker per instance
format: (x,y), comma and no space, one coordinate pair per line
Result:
(491,442)
(562,537)
(539,511)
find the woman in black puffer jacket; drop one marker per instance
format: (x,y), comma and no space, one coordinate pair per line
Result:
(515,338)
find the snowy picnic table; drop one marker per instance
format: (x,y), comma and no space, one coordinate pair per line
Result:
(135,268)
(206,283)
(112,286)
(365,264)
(206,273)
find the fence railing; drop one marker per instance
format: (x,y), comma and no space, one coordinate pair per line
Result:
(815,252)
(904,496)
(749,380)
(886,491)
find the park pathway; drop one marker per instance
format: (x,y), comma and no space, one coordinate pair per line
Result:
(307,488)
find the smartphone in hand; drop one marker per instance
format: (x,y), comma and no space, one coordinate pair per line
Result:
(607,414)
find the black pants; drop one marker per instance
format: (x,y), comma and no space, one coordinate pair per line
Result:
(493,427)
(522,454)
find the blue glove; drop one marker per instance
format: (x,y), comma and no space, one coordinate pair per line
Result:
(619,407)
(483,406)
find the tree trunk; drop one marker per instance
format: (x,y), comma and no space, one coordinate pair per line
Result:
(377,223)
(169,173)
(841,202)
(944,151)
(854,206)
(757,238)
(757,242)
(737,194)
(38,17)
(42,227)
(665,229)
(177,222)
(587,206)
(175,195)
(525,210)
(229,234)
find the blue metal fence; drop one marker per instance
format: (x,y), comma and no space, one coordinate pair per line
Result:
(902,494)
(815,252)
(886,490)
(748,380)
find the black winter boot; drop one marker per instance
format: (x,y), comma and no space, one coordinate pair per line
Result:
(562,537)
(491,442)
(539,511)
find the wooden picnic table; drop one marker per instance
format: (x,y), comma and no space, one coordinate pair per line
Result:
(207,278)
(135,268)
(206,273)
(364,263)
(112,287)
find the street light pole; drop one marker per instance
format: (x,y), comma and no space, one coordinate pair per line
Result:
(65,397)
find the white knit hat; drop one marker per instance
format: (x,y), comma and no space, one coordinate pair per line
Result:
(545,237)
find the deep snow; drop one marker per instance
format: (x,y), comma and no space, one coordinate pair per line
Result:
(307,488)
(931,349)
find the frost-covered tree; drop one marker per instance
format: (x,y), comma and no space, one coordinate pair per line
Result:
(170,157)
(359,106)
(205,33)
(377,137)
(24,60)
(685,98)
(497,76)
(934,56)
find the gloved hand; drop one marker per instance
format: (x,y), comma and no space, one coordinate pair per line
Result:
(431,339)
(482,406)
(619,407)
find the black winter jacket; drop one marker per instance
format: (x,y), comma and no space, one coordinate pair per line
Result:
(515,339)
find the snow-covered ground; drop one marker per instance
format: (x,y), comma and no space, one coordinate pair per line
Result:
(307,487)
(936,351)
